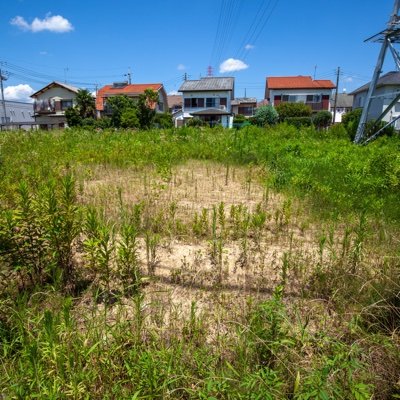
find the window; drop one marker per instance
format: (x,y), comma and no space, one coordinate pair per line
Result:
(223,101)
(210,102)
(194,102)
(313,98)
(66,104)
(161,106)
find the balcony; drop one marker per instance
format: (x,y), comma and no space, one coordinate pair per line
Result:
(315,106)
(46,106)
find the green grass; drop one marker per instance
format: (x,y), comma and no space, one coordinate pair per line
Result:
(79,318)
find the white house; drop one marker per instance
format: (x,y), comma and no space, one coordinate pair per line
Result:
(209,99)
(50,104)
(387,88)
(316,93)
(344,104)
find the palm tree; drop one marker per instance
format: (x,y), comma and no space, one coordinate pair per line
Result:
(85,103)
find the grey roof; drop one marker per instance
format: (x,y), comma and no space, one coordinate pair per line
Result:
(344,100)
(55,83)
(243,100)
(208,84)
(211,111)
(390,79)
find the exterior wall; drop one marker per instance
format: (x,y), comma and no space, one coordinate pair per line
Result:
(236,109)
(340,111)
(204,95)
(302,97)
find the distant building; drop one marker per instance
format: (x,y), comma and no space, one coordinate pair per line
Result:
(344,105)
(174,103)
(19,115)
(244,105)
(50,104)
(133,91)
(387,88)
(299,89)
(208,99)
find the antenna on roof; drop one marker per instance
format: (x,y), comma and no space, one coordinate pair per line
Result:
(315,71)
(210,71)
(129,75)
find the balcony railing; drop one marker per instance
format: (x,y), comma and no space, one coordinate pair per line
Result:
(315,106)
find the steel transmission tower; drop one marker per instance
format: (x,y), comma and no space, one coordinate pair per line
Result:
(387,37)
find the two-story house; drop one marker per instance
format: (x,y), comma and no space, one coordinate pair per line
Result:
(50,104)
(387,88)
(316,93)
(133,91)
(244,106)
(209,99)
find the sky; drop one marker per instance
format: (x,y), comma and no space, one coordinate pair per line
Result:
(87,43)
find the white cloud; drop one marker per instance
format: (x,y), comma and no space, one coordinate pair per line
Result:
(349,79)
(231,65)
(249,47)
(173,93)
(19,92)
(52,23)
(181,67)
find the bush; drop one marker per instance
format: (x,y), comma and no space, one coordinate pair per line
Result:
(351,120)
(322,119)
(298,122)
(265,115)
(163,120)
(129,118)
(291,110)
(195,122)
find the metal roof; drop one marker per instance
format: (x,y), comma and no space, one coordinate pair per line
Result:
(211,111)
(390,79)
(243,100)
(344,100)
(208,84)
(55,83)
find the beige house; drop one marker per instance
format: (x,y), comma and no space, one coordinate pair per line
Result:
(50,104)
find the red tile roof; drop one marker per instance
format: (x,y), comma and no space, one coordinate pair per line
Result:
(298,82)
(133,90)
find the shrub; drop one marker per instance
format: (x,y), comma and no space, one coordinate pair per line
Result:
(163,120)
(265,115)
(129,118)
(291,110)
(195,122)
(351,120)
(322,119)
(298,122)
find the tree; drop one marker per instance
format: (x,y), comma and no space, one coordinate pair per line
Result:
(293,110)
(146,108)
(73,117)
(85,104)
(163,120)
(265,115)
(129,118)
(118,105)
(322,119)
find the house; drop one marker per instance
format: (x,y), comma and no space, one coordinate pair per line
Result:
(344,104)
(18,115)
(244,106)
(208,99)
(387,88)
(131,90)
(50,104)
(299,89)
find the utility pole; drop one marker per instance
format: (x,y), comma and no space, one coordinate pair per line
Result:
(3,78)
(336,95)
(388,36)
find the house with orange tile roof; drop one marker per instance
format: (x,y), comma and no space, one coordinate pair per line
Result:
(316,93)
(131,90)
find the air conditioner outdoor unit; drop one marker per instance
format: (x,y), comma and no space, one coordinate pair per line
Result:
(222,107)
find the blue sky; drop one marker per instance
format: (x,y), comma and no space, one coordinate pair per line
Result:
(91,42)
